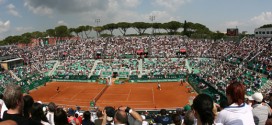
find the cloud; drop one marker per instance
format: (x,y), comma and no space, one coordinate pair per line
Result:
(83,8)
(41,9)
(84,12)
(61,22)
(115,11)
(48,7)
(130,3)
(170,4)
(24,29)
(263,18)
(4,26)
(2,1)
(163,16)
(12,10)
(116,15)
(248,24)
(233,24)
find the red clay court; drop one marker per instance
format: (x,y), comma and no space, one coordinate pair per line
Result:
(136,95)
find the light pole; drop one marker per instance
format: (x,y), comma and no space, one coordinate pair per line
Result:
(97,21)
(152,18)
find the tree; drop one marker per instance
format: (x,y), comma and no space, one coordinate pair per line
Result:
(198,30)
(12,39)
(87,30)
(71,31)
(189,28)
(185,29)
(217,35)
(61,31)
(110,27)
(201,29)
(25,40)
(2,42)
(81,29)
(123,26)
(140,27)
(26,37)
(27,34)
(77,31)
(98,30)
(38,34)
(172,27)
(266,26)
(51,32)
(156,26)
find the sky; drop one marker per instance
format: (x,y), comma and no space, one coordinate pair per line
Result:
(20,16)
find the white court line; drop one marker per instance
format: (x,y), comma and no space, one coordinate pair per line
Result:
(129,94)
(64,100)
(124,101)
(58,93)
(122,104)
(153,96)
(77,93)
(117,94)
(139,102)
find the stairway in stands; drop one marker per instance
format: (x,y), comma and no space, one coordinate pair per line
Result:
(113,81)
(13,75)
(140,66)
(94,67)
(35,67)
(54,68)
(187,65)
(267,86)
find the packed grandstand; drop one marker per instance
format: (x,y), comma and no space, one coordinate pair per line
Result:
(207,65)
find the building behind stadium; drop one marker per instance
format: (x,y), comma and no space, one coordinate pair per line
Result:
(263,32)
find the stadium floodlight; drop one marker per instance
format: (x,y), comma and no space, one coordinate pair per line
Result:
(152,18)
(97,21)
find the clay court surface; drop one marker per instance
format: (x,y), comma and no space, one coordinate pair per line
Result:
(136,95)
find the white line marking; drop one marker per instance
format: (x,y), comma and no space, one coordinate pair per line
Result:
(129,94)
(77,94)
(59,93)
(153,95)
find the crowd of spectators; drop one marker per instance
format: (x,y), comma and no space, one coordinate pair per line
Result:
(238,110)
(24,71)
(161,46)
(219,73)
(231,58)
(218,62)
(73,67)
(164,66)
(6,78)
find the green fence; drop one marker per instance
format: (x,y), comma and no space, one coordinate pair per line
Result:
(34,84)
(157,78)
(194,81)
(71,77)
